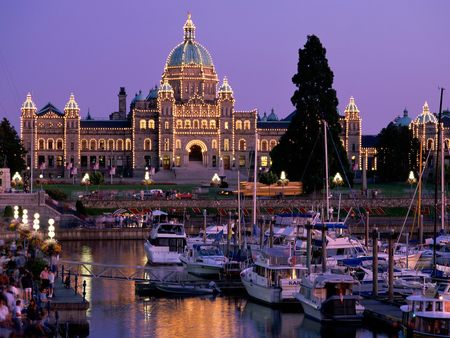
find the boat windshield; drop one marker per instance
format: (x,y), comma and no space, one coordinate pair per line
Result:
(210,251)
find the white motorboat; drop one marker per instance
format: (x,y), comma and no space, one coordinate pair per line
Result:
(427,315)
(166,243)
(274,278)
(328,297)
(204,260)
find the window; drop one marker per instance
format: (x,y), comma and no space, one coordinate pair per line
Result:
(214,144)
(178,144)
(151,124)
(93,145)
(179,124)
(143,124)
(166,125)
(84,144)
(166,144)
(187,124)
(41,144)
(242,144)
(127,144)
(247,124)
(59,161)
(50,144)
(101,144)
(195,124)
(225,125)
(212,124)
(264,145)
(59,144)
(226,144)
(238,124)
(110,144)
(204,124)
(264,161)
(119,145)
(147,144)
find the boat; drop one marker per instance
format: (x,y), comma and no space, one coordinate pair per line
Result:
(204,260)
(328,297)
(187,289)
(274,277)
(166,243)
(427,315)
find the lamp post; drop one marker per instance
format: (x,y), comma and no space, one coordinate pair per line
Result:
(36,222)
(411,180)
(51,228)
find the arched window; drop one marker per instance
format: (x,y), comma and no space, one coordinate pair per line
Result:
(101,144)
(119,145)
(41,144)
(264,145)
(242,144)
(127,144)
(214,144)
(84,144)
(212,124)
(247,125)
(151,124)
(177,144)
(147,144)
(143,124)
(179,124)
(204,124)
(93,144)
(238,124)
(195,124)
(272,144)
(110,144)
(187,124)
(50,144)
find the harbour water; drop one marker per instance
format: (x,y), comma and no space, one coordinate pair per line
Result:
(116,311)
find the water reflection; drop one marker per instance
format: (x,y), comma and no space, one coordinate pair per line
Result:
(116,311)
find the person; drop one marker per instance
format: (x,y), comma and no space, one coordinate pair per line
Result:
(51,282)
(44,277)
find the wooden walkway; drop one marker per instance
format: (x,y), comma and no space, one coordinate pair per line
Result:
(377,311)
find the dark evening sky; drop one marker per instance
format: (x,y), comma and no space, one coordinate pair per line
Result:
(387,54)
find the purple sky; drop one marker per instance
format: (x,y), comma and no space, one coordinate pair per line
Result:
(387,54)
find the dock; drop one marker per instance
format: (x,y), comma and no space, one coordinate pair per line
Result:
(380,312)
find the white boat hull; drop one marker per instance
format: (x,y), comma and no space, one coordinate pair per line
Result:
(161,255)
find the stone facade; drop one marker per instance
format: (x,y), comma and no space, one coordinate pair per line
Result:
(190,120)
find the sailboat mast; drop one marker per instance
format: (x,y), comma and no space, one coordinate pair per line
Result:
(255,172)
(327,183)
(436,181)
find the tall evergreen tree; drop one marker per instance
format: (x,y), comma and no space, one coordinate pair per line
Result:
(300,151)
(397,153)
(11,150)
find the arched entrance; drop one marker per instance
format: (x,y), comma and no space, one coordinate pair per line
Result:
(195,153)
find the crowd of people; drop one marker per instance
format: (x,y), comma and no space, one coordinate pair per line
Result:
(24,298)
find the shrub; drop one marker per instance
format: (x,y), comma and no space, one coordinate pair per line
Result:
(80,208)
(56,194)
(8,211)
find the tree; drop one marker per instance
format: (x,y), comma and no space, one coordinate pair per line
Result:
(300,151)
(397,153)
(12,153)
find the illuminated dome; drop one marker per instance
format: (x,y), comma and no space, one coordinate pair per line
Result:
(426,116)
(29,104)
(189,52)
(225,87)
(71,104)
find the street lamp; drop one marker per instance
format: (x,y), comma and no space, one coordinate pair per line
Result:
(411,179)
(25,216)
(51,228)
(36,222)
